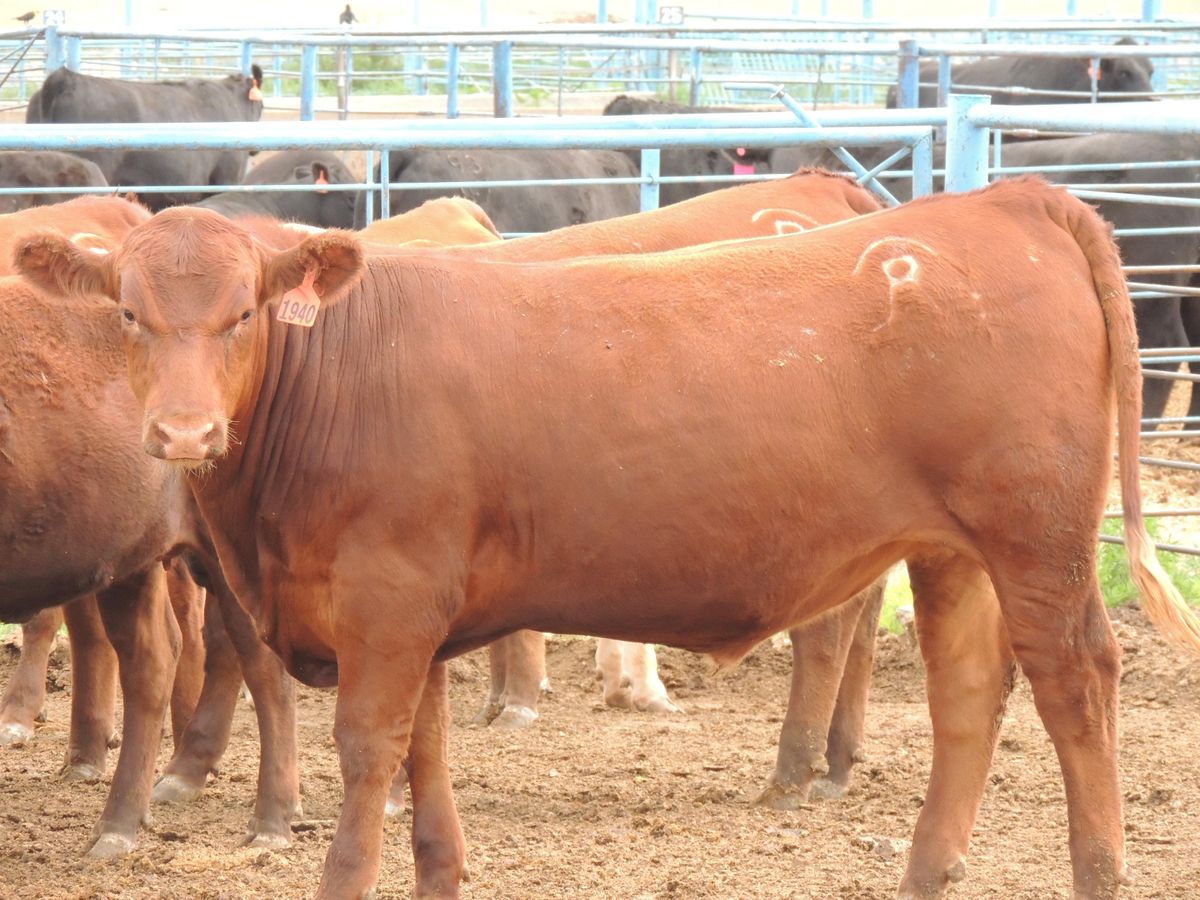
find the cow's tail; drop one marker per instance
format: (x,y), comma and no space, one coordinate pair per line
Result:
(1160,598)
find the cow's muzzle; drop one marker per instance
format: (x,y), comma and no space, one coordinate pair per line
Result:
(185,439)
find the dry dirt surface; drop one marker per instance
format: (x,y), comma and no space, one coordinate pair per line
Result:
(597,803)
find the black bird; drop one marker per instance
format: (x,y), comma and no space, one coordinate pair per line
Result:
(28,17)
(346,18)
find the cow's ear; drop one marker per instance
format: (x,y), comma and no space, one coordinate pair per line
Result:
(60,267)
(334,259)
(256,73)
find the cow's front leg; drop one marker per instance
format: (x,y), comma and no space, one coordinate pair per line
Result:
(380,686)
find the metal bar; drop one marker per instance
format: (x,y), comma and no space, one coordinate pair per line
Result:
(1173,420)
(308,82)
(370,197)
(1156,232)
(907,84)
(1168,548)
(385,180)
(358,135)
(650,168)
(966,145)
(840,152)
(502,89)
(1117,197)
(452,67)
(1137,117)
(1174,290)
(245,51)
(1168,463)
(922,167)
(1162,375)
(694,76)
(55,52)
(74,53)
(1162,435)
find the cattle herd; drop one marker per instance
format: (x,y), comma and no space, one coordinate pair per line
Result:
(240,440)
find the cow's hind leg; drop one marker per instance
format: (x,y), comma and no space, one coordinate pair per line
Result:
(647,691)
(1064,642)
(969,675)
(436,834)
(25,694)
(524,676)
(93,691)
(819,650)
(274,693)
(203,742)
(187,601)
(844,746)
(138,619)
(378,699)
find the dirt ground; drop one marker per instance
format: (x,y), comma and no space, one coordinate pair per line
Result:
(599,803)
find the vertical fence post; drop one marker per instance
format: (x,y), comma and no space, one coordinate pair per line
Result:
(649,192)
(483,13)
(1094,77)
(795,9)
(369,205)
(385,180)
(452,81)
(157,53)
(245,52)
(502,87)
(128,13)
(694,88)
(74,52)
(993,9)
(55,56)
(349,80)
(908,85)
(944,73)
(868,9)
(966,145)
(602,12)
(308,81)
(1151,10)
(922,167)
(1072,8)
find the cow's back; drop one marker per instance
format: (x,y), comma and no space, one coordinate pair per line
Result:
(44,168)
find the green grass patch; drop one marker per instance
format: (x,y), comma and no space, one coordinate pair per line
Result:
(1113,568)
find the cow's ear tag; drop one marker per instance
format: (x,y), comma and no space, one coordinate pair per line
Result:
(254,94)
(299,305)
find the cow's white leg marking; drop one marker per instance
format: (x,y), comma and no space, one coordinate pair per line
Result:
(786,221)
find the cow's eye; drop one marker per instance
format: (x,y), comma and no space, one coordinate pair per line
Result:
(246,315)
(128,316)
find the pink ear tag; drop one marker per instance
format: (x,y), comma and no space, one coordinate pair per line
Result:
(742,169)
(255,94)
(299,305)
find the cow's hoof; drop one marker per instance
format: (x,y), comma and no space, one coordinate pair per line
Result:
(659,705)
(174,789)
(14,734)
(935,887)
(111,845)
(266,840)
(824,789)
(515,718)
(488,714)
(621,698)
(80,772)
(775,796)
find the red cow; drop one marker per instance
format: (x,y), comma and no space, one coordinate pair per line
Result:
(673,448)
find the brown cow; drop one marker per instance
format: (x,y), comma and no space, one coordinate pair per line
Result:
(65,395)
(446,221)
(821,652)
(649,448)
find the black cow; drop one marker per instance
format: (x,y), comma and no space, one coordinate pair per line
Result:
(992,75)
(1168,322)
(44,168)
(684,160)
(68,97)
(518,209)
(327,209)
